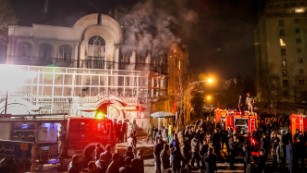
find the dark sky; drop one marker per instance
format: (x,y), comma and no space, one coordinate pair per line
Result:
(219,33)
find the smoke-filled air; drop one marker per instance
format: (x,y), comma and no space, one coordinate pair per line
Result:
(152,26)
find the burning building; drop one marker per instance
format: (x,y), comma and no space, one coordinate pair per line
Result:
(81,70)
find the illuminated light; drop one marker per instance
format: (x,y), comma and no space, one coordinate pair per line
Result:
(208,97)
(281,42)
(299,10)
(210,80)
(179,65)
(11,78)
(100,115)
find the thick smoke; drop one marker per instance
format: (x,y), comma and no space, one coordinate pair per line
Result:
(152,26)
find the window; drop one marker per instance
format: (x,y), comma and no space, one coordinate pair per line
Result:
(300,60)
(285,83)
(301,82)
(301,71)
(96,53)
(283,52)
(24,49)
(296,20)
(96,41)
(298,50)
(65,53)
(284,73)
(284,63)
(282,42)
(45,51)
(281,22)
(297,30)
(282,33)
(298,40)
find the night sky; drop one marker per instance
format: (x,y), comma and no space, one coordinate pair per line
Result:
(219,33)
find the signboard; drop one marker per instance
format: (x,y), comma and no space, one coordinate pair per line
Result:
(15,149)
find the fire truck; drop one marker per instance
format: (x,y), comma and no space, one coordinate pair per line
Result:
(241,122)
(55,135)
(299,122)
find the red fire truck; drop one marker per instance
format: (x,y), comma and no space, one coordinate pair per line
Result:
(298,121)
(243,121)
(55,134)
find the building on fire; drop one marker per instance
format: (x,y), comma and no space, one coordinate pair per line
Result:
(80,70)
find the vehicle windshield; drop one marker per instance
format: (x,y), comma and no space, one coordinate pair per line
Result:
(241,122)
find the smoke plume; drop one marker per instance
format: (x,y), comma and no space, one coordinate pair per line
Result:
(152,26)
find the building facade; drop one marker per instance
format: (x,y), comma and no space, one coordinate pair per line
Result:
(80,70)
(281,52)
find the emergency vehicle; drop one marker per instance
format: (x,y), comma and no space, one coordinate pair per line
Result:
(59,135)
(241,122)
(298,121)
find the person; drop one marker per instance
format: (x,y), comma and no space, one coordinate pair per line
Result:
(249,101)
(246,155)
(175,156)
(165,158)
(156,152)
(129,152)
(114,165)
(232,152)
(195,150)
(92,167)
(210,161)
(261,161)
(138,162)
(98,151)
(274,143)
(150,132)
(107,155)
(240,103)
(131,141)
(101,165)
(203,153)
(251,166)
(289,156)
(73,165)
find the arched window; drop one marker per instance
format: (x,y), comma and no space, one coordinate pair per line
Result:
(96,41)
(65,53)
(96,52)
(45,51)
(24,49)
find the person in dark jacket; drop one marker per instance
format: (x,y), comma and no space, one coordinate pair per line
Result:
(107,155)
(157,152)
(289,156)
(232,152)
(138,162)
(165,158)
(216,142)
(251,166)
(114,165)
(261,161)
(210,161)
(98,151)
(203,152)
(185,149)
(73,166)
(246,155)
(175,157)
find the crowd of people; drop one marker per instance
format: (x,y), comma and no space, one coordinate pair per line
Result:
(202,144)
(106,161)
